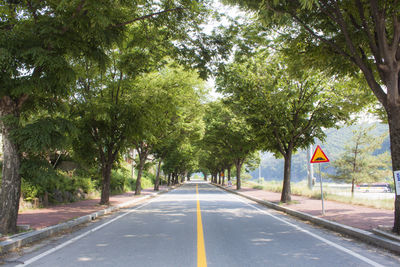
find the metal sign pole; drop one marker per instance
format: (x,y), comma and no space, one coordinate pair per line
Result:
(309,168)
(319,157)
(322,192)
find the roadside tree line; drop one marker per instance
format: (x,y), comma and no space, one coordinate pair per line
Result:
(100,78)
(358,39)
(91,80)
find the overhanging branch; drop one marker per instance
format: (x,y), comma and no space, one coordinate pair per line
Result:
(148,16)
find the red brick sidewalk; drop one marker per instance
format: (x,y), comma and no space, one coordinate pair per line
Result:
(41,218)
(352,215)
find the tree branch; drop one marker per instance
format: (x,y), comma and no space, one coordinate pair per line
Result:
(380,30)
(312,32)
(148,16)
(75,14)
(367,30)
(281,147)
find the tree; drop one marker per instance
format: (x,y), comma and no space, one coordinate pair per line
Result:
(347,37)
(105,113)
(229,138)
(41,41)
(38,39)
(169,106)
(287,108)
(358,164)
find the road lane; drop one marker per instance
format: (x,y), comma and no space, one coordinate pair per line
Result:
(201,250)
(236,232)
(162,233)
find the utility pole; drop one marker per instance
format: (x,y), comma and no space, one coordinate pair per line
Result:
(259,169)
(310,170)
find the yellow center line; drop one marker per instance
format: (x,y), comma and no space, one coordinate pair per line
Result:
(201,250)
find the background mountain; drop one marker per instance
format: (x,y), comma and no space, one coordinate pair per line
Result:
(272,168)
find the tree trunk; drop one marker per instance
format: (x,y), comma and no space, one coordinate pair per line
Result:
(105,188)
(138,188)
(157,181)
(173,178)
(219,177)
(352,187)
(223,177)
(394,130)
(10,191)
(205,176)
(133,152)
(238,164)
(169,179)
(286,192)
(229,173)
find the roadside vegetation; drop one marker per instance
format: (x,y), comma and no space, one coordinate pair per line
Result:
(121,81)
(80,184)
(301,189)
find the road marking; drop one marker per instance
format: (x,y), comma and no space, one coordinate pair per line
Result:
(50,251)
(326,241)
(201,250)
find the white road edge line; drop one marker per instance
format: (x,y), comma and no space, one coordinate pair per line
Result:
(48,252)
(339,247)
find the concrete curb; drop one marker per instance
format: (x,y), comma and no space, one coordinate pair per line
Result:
(363,235)
(386,235)
(20,240)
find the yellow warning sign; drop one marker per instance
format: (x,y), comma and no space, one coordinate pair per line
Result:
(319,156)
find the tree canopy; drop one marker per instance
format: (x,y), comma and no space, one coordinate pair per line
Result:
(99,78)
(345,38)
(286,108)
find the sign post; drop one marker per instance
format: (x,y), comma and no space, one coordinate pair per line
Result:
(322,191)
(320,157)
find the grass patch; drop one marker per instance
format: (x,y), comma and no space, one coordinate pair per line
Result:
(258,187)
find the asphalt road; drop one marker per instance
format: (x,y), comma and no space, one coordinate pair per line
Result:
(211,227)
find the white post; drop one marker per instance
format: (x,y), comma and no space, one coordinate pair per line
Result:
(322,192)
(259,169)
(310,170)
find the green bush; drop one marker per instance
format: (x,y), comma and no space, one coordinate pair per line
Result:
(29,190)
(121,181)
(258,187)
(40,179)
(148,179)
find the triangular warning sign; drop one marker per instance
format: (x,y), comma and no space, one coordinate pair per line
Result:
(319,156)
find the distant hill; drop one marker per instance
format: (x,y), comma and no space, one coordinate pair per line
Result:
(272,168)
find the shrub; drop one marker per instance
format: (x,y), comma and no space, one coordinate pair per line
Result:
(121,181)
(258,187)
(29,191)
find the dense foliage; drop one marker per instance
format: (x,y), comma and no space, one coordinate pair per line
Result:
(87,82)
(345,38)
